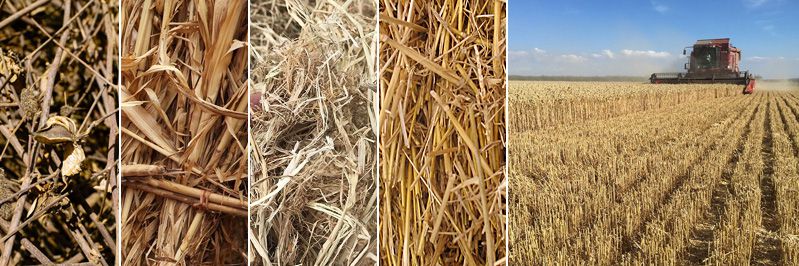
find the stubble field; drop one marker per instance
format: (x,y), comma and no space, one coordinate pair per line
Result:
(631,173)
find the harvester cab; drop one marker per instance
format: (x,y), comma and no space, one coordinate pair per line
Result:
(711,61)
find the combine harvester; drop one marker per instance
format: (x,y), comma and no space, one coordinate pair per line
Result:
(712,61)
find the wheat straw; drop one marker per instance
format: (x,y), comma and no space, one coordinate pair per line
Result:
(442,120)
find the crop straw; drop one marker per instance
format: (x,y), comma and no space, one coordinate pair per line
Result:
(314,197)
(184,108)
(442,133)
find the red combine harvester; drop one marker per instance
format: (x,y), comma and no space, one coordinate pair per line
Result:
(712,61)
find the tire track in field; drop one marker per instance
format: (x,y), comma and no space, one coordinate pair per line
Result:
(704,109)
(782,112)
(794,99)
(588,220)
(642,176)
(629,244)
(767,250)
(700,244)
(795,96)
(790,106)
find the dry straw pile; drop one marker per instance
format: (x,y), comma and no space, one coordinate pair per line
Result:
(442,132)
(184,111)
(314,197)
(58,132)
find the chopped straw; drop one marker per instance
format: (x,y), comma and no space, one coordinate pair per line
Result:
(314,197)
(443,186)
(184,109)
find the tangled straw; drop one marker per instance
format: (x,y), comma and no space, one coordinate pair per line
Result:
(184,103)
(314,197)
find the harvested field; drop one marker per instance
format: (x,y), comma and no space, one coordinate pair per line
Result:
(698,181)
(442,133)
(184,132)
(313,101)
(58,132)
(566,103)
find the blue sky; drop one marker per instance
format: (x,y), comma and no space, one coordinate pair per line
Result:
(586,38)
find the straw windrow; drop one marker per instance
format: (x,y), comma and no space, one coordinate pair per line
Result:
(184,104)
(442,128)
(313,126)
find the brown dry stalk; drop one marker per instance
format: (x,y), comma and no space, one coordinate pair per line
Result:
(184,103)
(58,58)
(195,202)
(194,192)
(135,170)
(442,119)
(314,200)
